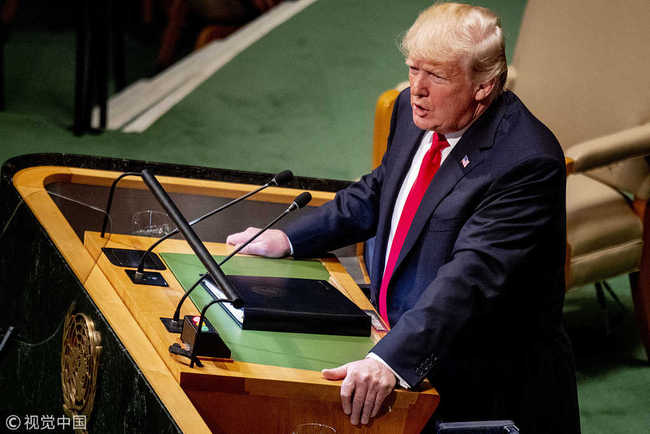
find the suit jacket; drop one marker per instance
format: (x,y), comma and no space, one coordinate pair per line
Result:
(475,301)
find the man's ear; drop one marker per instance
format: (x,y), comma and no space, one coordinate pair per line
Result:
(483,90)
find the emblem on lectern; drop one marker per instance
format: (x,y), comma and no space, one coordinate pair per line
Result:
(79,362)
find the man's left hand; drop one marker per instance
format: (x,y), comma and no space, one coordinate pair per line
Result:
(366,383)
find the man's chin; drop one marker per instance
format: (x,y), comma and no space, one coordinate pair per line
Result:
(422,123)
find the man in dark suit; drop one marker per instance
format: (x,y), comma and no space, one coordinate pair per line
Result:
(468,210)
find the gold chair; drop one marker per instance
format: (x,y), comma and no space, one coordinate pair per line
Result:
(584,72)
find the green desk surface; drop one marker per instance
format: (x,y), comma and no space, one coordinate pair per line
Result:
(291,350)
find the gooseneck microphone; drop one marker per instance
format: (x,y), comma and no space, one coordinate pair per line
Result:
(190,236)
(110,197)
(281,178)
(175,325)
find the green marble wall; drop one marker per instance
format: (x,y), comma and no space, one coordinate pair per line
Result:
(36,289)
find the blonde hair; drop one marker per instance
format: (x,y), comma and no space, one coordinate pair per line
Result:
(458,32)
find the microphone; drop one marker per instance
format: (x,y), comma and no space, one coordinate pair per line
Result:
(174,325)
(300,201)
(281,178)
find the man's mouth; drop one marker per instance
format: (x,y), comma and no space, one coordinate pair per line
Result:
(419,110)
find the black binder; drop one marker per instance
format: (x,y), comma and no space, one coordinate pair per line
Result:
(292,305)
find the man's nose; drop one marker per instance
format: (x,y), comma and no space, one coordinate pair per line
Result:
(418,86)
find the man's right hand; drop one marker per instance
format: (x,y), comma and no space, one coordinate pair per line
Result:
(273,243)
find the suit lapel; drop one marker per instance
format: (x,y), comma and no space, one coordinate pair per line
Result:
(450,173)
(468,154)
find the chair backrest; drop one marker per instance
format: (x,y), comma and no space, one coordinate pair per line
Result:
(583,68)
(383,113)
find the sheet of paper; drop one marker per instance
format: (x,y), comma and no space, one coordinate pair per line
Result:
(216,291)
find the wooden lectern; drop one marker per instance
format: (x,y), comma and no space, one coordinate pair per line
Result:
(90,342)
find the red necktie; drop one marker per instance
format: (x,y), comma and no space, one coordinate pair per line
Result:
(429,167)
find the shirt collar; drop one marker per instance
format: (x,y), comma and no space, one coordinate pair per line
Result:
(454,137)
